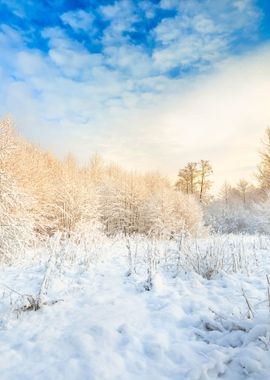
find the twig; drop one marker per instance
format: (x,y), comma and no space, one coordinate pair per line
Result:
(248,305)
(268,290)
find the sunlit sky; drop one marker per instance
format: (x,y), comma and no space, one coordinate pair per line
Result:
(149,84)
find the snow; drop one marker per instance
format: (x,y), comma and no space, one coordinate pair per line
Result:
(106,326)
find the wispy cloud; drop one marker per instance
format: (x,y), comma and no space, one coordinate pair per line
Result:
(79,20)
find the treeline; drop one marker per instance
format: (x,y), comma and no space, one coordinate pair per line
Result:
(40,195)
(242,208)
(245,207)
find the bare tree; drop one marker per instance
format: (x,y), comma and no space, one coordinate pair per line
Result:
(188,178)
(205,170)
(243,187)
(194,179)
(225,193)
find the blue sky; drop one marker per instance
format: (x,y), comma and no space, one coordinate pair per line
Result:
(115,77)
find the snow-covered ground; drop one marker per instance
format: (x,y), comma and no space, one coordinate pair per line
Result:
(106,326)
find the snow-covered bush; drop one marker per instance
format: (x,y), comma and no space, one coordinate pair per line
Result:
(170,213)
(121,204)
(262,212)
(129,205)
(231,218)
(216,254)
(206,258)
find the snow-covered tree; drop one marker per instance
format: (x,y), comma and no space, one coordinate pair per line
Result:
(16,222)
(170,213)
(121,204)
(194,179)
(263,174)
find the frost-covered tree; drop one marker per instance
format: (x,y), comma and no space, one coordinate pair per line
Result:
(121,204)
(16,221)
(38,174)
(63,196)
(231,218)
(188,178)
(234,210)
(77,197)
(194,179)
(261,211)
(263,174)
(170,213)
(243,187)
(205,170)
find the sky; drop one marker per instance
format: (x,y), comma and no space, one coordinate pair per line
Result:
(148,84)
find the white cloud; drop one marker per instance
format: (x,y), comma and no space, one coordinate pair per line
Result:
(204,25)
(201,32)
(169,4)
(189,52)
(78,20)
(123,9)
(69,56)
(132,60)
(148,8)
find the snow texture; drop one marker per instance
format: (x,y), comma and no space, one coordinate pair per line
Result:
(98,323)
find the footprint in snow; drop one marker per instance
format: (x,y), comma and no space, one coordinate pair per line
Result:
(125,336)
(152,350)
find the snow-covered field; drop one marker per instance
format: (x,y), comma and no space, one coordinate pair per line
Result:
(98,320)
